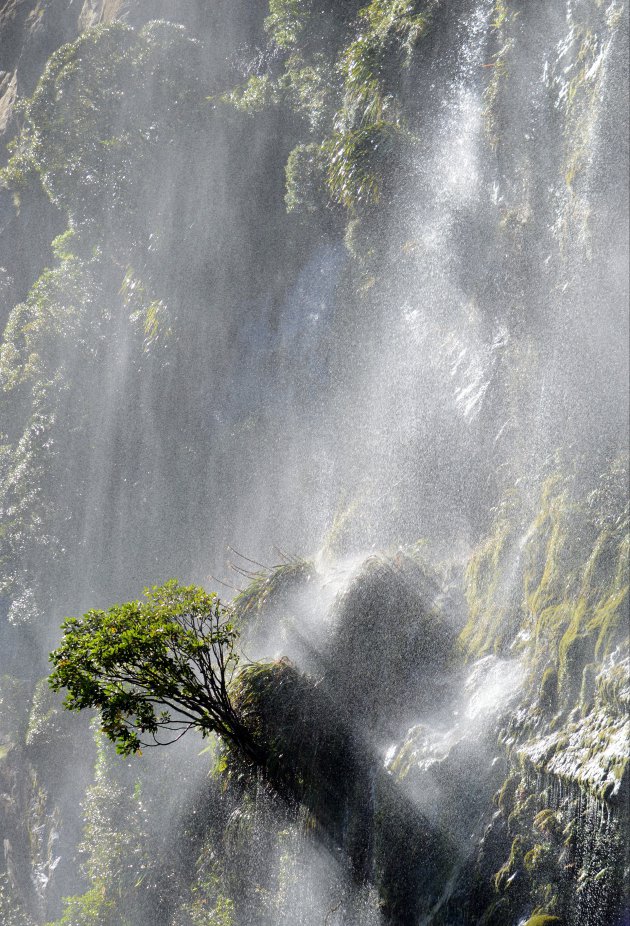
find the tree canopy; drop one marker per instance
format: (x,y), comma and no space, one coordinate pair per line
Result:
(154,669)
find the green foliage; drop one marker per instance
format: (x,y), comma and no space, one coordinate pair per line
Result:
(356,161)
(372,64)
(163,665)
(65,307)
(53,313)
(116,827)
(91,909)
(137,864)
(343,71)
(150,314)
(50,729)
(369,123)
(257,94)
(305,179)
(63,245)
(286,21)
(205,911)
(310,89)
(309,24)
(88,140)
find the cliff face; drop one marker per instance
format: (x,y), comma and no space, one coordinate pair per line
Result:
(338,276)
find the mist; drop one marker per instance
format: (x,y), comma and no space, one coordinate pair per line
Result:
(323,307)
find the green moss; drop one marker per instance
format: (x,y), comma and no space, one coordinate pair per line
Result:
(538,858)
(612,689)
(544,920)
(547,822)
(600,608)
(503,877)
(490,602)
(545,551)
(505,797)
(503,19)
(588,687)
(565,587)
(582,78)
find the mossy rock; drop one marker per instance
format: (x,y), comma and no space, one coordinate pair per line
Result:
(299,728)
(506,796)
(538,858)
(412,860)
(493,596)
(547,822)
(316,760)
(391,645)
(544,920)
(568,582)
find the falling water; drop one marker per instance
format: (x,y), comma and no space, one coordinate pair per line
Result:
(375,413)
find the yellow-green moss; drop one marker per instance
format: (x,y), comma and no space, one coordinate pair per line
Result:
(514,862)
(537,858)
(564,586)
(489,598)
(503,17)
(546,822)
(505,797)
(544,920)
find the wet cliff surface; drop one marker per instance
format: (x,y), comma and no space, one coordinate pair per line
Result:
(342,287)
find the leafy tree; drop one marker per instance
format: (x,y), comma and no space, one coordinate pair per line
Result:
(155,669)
